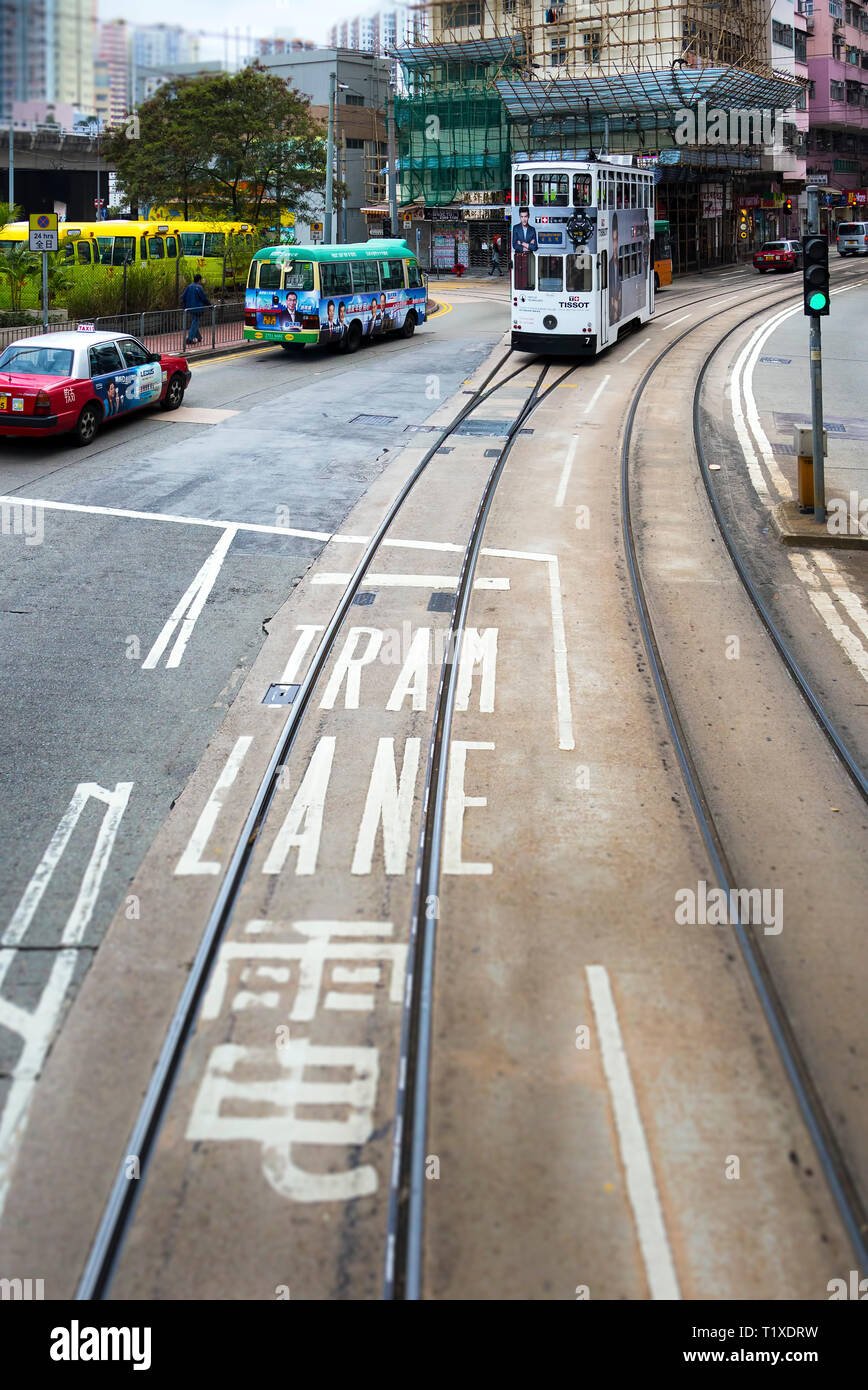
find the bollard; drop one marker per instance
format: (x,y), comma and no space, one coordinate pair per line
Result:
(804,448)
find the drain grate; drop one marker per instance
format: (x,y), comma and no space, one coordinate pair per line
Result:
(445,449)
(373,419)
(776,361)
(364,599)
(441,603)
(421,429)
(499,429)
(492,453)
(784,450)
(281,694)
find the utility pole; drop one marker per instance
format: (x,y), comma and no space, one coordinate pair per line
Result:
(393,175)
(330,160)
(11,164)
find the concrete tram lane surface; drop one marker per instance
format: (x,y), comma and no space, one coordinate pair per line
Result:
(608,1116)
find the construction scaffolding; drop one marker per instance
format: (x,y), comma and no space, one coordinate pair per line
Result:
(571,76)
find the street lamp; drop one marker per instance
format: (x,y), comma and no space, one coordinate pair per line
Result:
(334,86)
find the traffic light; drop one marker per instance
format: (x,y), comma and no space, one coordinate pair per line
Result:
(742,224)
(815,274)
(788,206)
(387,226)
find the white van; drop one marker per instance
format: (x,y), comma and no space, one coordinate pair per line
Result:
(853,238)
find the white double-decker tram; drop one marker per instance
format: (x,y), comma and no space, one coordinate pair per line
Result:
(581,246)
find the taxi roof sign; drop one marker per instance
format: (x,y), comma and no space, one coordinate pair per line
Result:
(86,328)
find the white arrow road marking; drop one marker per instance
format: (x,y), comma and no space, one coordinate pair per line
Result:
(190,606)
(37,1027)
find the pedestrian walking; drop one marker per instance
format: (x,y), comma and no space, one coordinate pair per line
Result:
(195,300)
(495,262)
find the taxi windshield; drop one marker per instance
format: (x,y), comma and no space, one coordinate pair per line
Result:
(36,361)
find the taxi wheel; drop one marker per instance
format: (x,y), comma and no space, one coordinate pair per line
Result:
(87,425)
(409,327)
(174,393)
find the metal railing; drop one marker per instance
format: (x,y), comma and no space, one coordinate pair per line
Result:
(162,330)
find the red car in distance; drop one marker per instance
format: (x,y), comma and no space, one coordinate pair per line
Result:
(778,255)
(61,383)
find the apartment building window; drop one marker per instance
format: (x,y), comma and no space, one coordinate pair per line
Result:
(836,9)
(591,46)
(837,49)
(864,25)
(509,6)
(782,34)
(853,56)
(854,94)
(557,49)
(465,16)
(801,46)
(836,91)
(801,102)
(352,100)
(849,12)
(355,144)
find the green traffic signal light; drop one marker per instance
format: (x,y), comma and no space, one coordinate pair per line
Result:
(818,301)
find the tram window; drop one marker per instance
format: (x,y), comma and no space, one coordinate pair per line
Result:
(524,271)
(579,273)
(604,270)
(269,275)
(581,190)
(143,248)
(215,243)
(551,273)
(172,247)
(83,251)
(366,276)
(393,275)
(191,243)
(156,249)
(335,279)
(522,189)
(619,190)
(551,190)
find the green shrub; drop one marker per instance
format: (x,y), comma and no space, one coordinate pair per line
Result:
(14,320)
(98,291)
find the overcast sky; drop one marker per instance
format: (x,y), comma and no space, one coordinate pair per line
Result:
(304,19)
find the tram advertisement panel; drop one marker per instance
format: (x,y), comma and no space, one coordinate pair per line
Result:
(628,262)
(550,234)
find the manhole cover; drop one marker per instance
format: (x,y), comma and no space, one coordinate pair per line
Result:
(441,603)
(280,694)
(364,600)
(498,428)
(421,429)
(373,419)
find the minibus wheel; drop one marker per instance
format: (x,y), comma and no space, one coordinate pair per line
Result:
(409,327)
(354,336)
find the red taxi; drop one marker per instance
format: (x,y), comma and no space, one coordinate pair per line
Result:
(778,255)
(73,382)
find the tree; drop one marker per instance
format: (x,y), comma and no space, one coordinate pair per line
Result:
(18,266)
(163,154)
(228,145)
(10,212)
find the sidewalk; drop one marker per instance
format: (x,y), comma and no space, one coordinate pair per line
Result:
(779,389)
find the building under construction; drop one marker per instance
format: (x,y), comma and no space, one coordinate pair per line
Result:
(493,80)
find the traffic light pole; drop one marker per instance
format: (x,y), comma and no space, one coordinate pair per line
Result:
(817,379)
(817,421)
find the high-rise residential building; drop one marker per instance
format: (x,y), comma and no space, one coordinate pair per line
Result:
(113,97)
(47,53)
(837,154)
(158,52)
(379,31)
